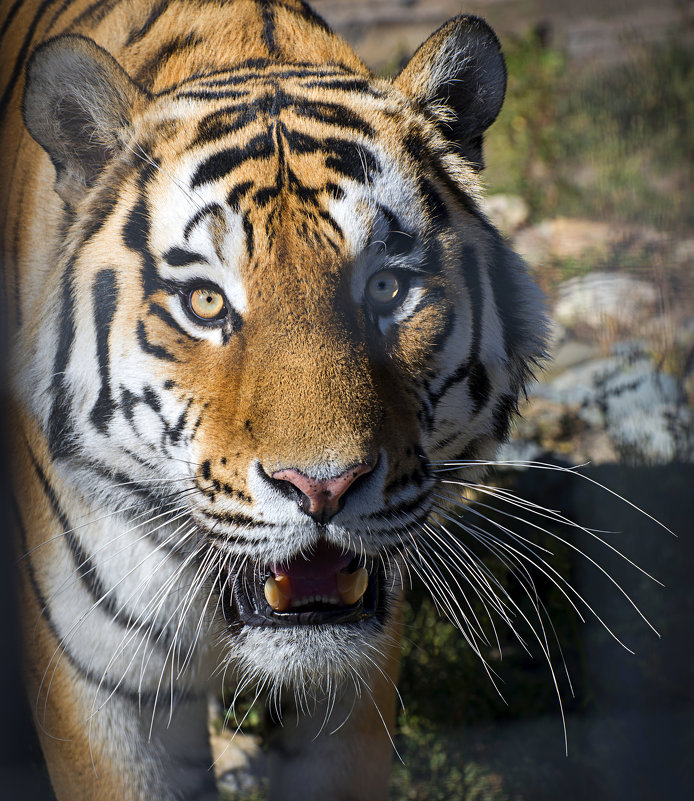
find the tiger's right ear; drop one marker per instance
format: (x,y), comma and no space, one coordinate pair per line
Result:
(78,101)
(459,75)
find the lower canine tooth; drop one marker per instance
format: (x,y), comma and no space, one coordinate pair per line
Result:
(352,586)
(278,592)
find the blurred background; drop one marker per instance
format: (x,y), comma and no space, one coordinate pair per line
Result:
(590,172)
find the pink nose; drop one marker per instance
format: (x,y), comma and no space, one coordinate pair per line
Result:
(321,497)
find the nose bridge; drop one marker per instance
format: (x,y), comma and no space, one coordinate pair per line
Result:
(314,401)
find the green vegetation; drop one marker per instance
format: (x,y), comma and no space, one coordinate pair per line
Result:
(616,144)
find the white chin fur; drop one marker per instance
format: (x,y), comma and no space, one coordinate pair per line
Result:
(307,661)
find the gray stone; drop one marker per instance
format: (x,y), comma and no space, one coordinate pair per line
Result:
(239,762)
(600,300)
(643,410)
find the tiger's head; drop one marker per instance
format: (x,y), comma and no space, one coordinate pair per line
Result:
(279,308)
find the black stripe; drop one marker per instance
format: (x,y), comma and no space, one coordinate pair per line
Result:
(164,315)
(464,199)
(222,163)
(212,94)
(470,268)
(212,209)
(175,432)
(19,62)
(267,193)
(99,210)
(343,155)
(397,241)
(49,492)
(248,231)
(84,565)
(153,350)
(347,84)
(135,234)
(479,385)
(157,60)
(504,410)
(327,217)
(178,257)
(12,13)
(235,518)
(231,118)
(503,266)
(56,16)
(268,14)
(307,14)
(459,374)
(239,75)
(439,341)
(136,34)
(434,203)
(224,121)
(60,432)
(104,299)
(237,193)
(330,114)
(95,13)
(108,686)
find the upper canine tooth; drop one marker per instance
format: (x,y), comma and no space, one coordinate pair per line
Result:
(278,592)
(352,586)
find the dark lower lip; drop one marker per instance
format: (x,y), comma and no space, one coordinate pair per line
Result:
(243,601)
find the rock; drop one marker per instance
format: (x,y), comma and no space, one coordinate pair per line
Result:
(642,410)
(566,238)
(570,353)
(507,212)
(683,252)
(518,450)
(239,762)
(605,300)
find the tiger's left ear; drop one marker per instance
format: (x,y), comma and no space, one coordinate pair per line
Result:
(78,103)
(459,74)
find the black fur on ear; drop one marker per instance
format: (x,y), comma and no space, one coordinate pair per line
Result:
(77,103)
(459,74)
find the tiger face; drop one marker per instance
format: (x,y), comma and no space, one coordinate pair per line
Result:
(280,296)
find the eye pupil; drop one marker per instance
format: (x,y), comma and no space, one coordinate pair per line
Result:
(206,303)
(385,290)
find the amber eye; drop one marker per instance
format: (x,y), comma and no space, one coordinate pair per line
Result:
(386,289)
(206,303)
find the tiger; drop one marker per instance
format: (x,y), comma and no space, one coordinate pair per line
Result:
(254,302)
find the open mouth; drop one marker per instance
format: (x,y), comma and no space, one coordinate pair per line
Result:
(326,586)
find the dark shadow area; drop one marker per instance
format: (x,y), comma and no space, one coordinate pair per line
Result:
(629,726)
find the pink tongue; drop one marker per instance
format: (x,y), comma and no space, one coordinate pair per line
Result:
(317,574)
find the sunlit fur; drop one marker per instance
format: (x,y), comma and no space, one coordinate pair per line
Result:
(158,146)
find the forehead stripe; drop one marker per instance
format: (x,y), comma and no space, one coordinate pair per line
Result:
(231,118)
(212,209)
(347,157)
(178,257)
(222,163)
(248,71)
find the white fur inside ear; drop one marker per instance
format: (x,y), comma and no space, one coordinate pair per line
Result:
(77,101)
(459,73)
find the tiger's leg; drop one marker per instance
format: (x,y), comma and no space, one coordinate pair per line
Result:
(113,757)
(93,699)
(309,760)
